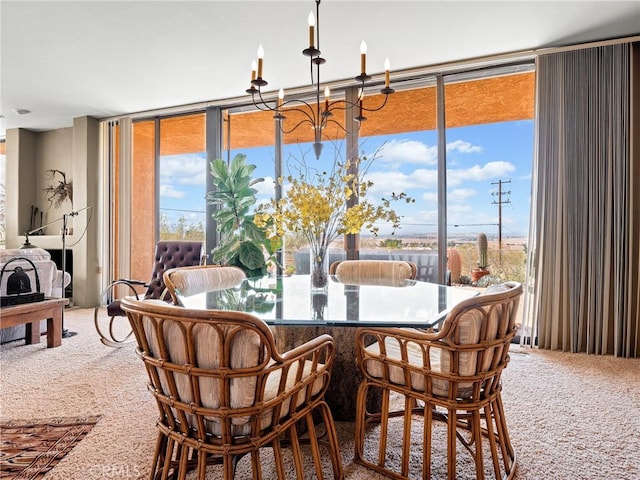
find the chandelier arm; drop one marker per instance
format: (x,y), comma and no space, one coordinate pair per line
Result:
(311,117)
(296,126)
(263,105)
(344,129)
(342,105)
(365,109)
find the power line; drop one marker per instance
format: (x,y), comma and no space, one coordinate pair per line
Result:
(500,202)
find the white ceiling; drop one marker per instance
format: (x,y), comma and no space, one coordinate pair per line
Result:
(64,59)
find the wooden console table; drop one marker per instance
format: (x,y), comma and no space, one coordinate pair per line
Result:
(31,314)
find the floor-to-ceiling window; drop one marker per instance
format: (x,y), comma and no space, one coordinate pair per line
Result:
(489,154)
(182,168)
(488,150)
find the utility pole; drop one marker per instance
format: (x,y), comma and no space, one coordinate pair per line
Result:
(500,201)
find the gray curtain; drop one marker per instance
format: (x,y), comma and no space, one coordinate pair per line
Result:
(585,269)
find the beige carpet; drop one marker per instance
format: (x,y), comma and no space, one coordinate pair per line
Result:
(570,416)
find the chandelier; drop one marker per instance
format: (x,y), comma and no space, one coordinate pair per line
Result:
(316,115)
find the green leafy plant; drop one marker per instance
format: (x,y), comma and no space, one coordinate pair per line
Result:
(242,243)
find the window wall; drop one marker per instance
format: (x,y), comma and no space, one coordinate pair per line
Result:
(182,171)
(486,148)
(489,152)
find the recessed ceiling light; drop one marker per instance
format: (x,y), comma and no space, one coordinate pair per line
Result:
(21,111)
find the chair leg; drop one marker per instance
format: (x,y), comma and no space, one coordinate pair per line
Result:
(168,458)
(508,453)
(492,435)
(228,467)
(295,450)
(451,444)
(384,428)
(158,455)
(313,442)
(426,441)
(277,457)
(332,437)
(406,436)
(183,462)
(476,432)
(361,406)
(202,464)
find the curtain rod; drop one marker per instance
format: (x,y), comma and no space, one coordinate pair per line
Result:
(409,74)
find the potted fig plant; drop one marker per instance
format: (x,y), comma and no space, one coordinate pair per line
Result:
(242,243)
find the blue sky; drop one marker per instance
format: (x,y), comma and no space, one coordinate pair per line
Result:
(477,157)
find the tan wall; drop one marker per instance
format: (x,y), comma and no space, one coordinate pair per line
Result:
(53,152)
(75,149)
(468,103)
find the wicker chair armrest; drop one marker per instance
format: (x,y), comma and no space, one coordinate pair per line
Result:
(321,347)
(412,334)
(307,370)
(402,356)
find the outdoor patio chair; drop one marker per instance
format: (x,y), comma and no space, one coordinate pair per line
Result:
(223,391)
(454,374)
(168,254)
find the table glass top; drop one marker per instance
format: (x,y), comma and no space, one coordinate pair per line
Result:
(290,301)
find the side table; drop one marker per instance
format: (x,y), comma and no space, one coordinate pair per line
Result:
(30,314)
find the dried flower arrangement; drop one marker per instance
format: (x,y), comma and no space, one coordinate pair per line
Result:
(57,194)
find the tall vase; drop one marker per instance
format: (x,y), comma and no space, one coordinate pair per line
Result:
(319,269)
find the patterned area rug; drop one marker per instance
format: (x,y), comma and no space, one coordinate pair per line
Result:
(29,449)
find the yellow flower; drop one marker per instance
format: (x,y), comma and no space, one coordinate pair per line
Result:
(323,205)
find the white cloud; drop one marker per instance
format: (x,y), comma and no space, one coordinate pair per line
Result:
(408,151)
(430,197)
(168,191)
(402,152)
(386,183)
(463,147)
(266,189)
(461,194)
(480,173)
(183,170)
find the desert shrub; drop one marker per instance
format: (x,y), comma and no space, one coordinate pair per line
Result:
(391,243)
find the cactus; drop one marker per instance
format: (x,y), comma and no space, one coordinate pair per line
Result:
(454,264)
(482,251)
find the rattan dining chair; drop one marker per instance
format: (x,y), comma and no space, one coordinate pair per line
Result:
(454,374)
(373,272)
(189,281)
(224,391)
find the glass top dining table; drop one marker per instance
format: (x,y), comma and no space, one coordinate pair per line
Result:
(291,301)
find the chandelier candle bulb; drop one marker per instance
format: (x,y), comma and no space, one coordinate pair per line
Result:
(363,57)
(327,94)
(312,25)
(280,100)
(260,59)
(387,67)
